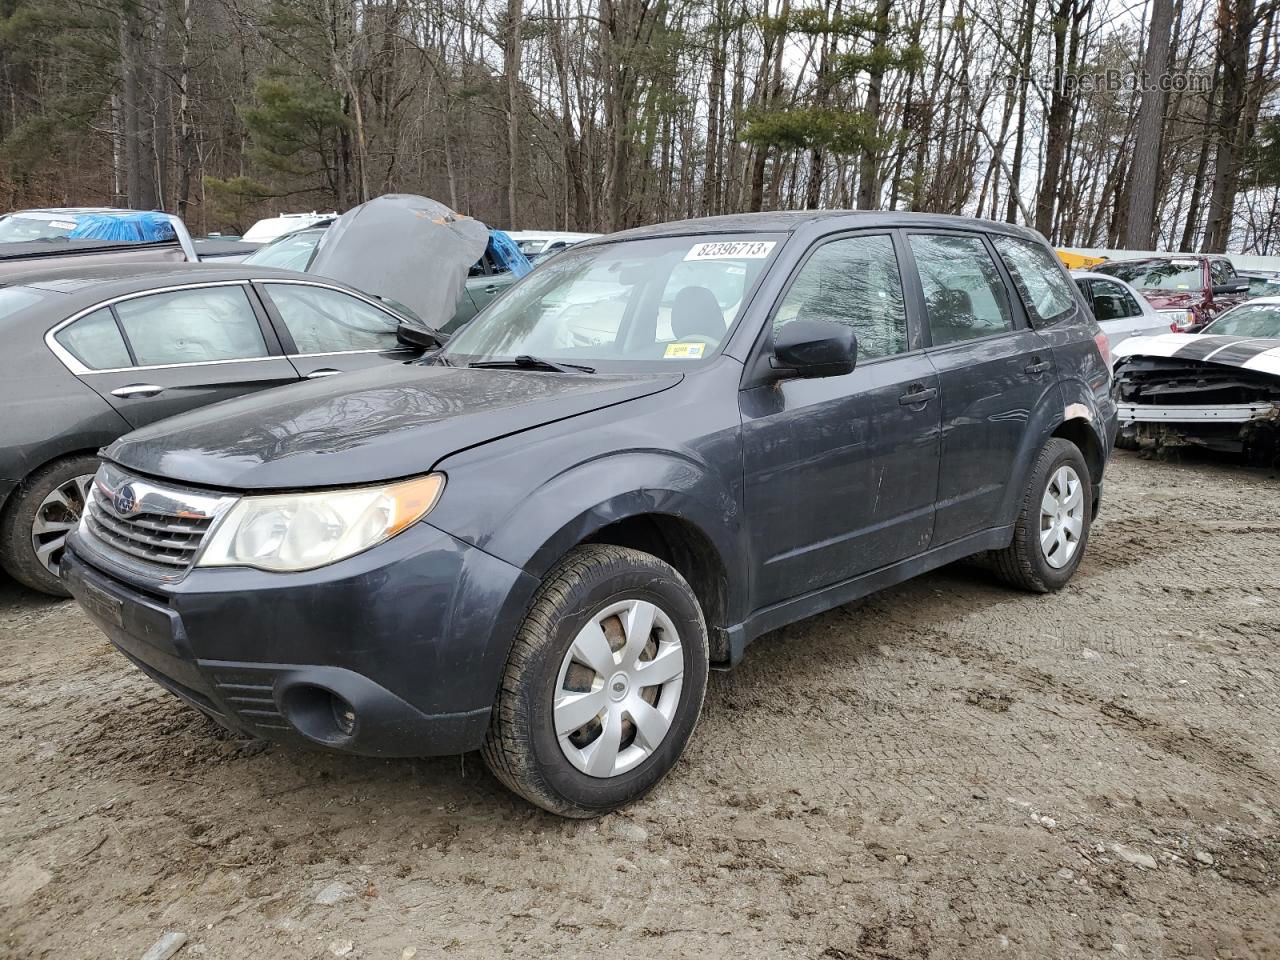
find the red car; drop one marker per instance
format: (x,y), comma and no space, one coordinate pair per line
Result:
(1188,290)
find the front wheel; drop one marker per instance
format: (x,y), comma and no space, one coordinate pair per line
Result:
(1052,528)
(603,686)
(37,519)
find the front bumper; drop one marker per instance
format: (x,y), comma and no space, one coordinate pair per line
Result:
(1198,413)
(411,636)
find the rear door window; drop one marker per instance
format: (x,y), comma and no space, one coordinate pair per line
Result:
(964,294)
(1222,271)
(1112,301)
(95,341)
(321,320)
(199,325)
(1039,278)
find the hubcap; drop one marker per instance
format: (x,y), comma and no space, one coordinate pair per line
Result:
(1061,517)
(57,516)
(618,688)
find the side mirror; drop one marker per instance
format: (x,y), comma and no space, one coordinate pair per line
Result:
(420,336)
(814,348)
(1224,289)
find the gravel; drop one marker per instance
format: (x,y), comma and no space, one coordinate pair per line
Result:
(843,796)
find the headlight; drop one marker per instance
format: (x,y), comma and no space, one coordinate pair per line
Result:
(1179,319)
(302,531)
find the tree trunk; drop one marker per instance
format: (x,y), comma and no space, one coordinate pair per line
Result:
(868,170)
(511,64)
(1139,228)
(1024,71)
(1235,25)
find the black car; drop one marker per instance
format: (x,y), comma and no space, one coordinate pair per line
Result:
(655,448)
(91,353)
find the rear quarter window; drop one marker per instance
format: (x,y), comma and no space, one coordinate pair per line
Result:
(95,341)
(1042,285)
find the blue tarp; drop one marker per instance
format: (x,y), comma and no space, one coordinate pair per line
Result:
(133,227)
(508,256)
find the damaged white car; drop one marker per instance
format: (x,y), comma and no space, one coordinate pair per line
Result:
(1218,389)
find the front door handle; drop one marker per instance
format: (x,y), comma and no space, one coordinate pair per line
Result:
(917,395)
(491,289)
(1037,366)
(322,372)
(138,390)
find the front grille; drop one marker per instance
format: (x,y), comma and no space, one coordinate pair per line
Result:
(149,536)
(161,526)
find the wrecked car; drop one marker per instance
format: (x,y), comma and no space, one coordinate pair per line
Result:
(655,448)
(499,264)
(1218,389)
(1188,291)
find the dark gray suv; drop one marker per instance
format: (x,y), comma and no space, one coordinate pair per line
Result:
(655,448)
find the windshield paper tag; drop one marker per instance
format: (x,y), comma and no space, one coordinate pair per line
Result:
(732,250)
(683,351)
(63,224)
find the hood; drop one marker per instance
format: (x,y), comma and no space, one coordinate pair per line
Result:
(1172,301)
(405,248)
(1248,353)
(373,425)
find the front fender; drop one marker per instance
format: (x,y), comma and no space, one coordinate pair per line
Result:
(578,502)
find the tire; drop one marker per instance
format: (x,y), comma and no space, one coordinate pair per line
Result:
(18,554)
(547,667)
(1127,439)
(1025,563)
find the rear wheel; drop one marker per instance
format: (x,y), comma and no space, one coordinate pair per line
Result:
(603,686)
(42,511)
(1052,528)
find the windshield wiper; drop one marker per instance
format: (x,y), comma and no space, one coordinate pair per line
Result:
(526,362)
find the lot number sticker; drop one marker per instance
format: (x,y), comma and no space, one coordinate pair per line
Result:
(683,351)
(731,250)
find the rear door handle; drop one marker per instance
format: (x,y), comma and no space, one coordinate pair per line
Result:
(140,390)
(1038,367)
(491,289)
(322,372)
(921,395)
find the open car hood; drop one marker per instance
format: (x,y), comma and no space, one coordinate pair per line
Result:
(1261,354)
(407,248)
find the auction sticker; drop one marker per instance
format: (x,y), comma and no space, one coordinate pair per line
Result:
(731,250)
(683,351)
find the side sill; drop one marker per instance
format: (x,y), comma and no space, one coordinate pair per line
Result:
(846,591)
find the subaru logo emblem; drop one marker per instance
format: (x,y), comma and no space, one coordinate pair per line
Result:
(126,501)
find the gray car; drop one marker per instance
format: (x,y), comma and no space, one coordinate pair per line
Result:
(91,353)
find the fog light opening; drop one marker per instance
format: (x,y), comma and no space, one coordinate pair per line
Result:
(319,714)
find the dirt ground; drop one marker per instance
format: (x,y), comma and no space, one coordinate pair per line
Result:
(948,769)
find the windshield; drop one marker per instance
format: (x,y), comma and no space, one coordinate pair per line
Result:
(21,227)
(290,252)
(1249,320)
(658,303)
(531,246)
(1171,275)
